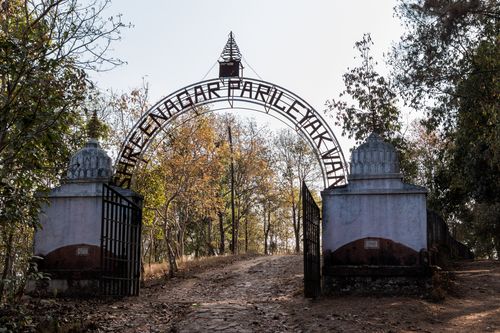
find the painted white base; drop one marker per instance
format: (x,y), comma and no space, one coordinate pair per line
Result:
(72,216)
(382,207)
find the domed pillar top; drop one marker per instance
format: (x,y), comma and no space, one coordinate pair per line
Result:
(91,163)
(374,158)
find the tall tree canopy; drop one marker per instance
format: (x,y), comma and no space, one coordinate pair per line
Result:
(369,104)
(437,51)
(374,108)
(447,64)
(46,47)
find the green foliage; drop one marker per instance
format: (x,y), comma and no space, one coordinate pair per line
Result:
(437,52)
(475,154)
(45,48)
(375,109)
(476,150)
(375,100)
(447,63)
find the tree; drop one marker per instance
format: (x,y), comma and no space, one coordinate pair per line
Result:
(375,100)
(296,163)
(447,64)
(180,187)
(45,49)
(437,52)
(121,111)
(252,167)
(375,108)
(186,184)
(475,153)
(427,155)
(270,200)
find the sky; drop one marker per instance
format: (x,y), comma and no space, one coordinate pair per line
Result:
(303,46)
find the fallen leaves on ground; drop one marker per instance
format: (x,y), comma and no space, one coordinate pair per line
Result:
(264,293)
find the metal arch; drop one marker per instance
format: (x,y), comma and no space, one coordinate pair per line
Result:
(299,129)
(232,91)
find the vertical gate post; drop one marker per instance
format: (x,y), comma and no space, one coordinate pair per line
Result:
(312,260)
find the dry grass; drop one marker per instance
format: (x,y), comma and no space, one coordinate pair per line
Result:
(188,266)
(155,271)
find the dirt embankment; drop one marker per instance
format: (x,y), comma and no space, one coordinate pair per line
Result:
(264,294)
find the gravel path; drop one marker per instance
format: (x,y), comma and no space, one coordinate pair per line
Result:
(264,294)
(249,296)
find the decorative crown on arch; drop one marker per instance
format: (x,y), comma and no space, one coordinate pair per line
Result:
(231,51)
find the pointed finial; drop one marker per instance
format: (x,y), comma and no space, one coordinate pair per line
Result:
(230,59)
(231,51)
(94,127)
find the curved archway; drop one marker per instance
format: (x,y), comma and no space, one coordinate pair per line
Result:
(233,93)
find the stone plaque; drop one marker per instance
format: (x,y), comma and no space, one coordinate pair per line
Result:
(82,251)
(371,244)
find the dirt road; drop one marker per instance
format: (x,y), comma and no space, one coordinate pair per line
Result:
(264,294)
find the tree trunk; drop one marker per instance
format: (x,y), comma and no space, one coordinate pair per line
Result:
(299,216)
(151,247)
(7,262)
(222,234)
(246,235)
(172,264)
(265,232)
(297,241)
(296,226)
(157,252)
(181,237)
(143,281)
(211,250)
(272,245)
(497,247)
(234,241)
(237,229)
(267,227)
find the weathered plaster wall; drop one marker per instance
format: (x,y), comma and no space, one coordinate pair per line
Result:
(73,216)
(398,215)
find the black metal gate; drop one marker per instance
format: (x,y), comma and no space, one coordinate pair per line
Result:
(120,244)
(312,264)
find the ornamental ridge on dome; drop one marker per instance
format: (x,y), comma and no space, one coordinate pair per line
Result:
(374,157)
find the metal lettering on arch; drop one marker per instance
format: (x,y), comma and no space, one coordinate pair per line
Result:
(233,92)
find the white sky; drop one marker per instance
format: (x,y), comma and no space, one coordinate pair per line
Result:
(304,46)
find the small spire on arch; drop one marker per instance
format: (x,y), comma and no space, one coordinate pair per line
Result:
(230,59)
(231,51)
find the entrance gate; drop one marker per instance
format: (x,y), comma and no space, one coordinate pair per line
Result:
(228,91)
(312,260)
(120,244)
